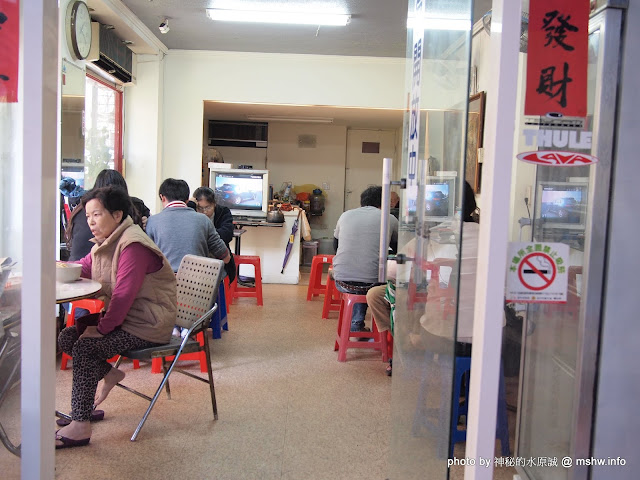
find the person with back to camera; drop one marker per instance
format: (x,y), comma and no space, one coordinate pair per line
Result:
(382,302)
(222,219)
(139,291)
(357,243)
(78,234)
(179,231)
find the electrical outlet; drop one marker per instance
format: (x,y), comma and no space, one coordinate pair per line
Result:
(326,186)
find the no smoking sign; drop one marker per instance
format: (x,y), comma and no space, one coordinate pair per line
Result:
(537,272)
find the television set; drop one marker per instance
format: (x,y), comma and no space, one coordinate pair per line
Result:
(244,191)
(562,205)
(439,198)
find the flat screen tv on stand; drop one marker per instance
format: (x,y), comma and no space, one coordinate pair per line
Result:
(244,191)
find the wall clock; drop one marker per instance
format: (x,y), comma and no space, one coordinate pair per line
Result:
(78,28)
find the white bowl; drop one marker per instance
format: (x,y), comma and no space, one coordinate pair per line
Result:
(68,272)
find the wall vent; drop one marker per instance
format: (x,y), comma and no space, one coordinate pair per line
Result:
(307,141)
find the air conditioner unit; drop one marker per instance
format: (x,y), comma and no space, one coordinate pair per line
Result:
(114,57)
(237,134)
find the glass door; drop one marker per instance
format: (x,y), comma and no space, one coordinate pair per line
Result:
(560,340)
(431,239)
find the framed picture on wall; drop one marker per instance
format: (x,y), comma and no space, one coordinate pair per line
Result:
(475,131)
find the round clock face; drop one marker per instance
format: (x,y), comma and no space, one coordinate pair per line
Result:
(78,26)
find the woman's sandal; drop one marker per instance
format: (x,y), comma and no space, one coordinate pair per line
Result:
(96,416)
(70,442)
(388,370)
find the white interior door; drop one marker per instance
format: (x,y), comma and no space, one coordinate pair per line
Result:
(365,169)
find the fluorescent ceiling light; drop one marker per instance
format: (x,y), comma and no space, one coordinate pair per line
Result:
(432,23)
(293,18)
(260,118)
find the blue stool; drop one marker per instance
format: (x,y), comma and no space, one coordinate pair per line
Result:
(462,371)
(219,318)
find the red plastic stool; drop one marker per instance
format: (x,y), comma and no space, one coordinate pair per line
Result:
(332,299)
(343,341)
(156,363)
(93,306)
(316,287)
(238,290)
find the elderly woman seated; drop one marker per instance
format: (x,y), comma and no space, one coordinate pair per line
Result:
(139,291)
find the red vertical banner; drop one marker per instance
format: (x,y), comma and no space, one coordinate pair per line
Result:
(9,49)
(557,56)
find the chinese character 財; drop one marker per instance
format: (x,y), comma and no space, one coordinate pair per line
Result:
(548,83)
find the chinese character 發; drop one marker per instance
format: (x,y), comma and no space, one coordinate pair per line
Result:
(551,87)
(558,31)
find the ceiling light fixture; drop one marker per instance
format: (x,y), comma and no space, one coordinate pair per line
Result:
(261,118)
(293,18)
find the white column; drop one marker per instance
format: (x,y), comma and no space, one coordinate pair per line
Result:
(39,94)
(494,227)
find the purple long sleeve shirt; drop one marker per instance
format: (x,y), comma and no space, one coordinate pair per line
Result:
(134,263)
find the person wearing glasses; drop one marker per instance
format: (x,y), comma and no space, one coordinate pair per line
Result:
(221,218)
(219,215)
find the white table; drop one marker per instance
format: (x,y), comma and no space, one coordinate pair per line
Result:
(81,288)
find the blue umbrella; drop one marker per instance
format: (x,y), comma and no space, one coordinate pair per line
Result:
(292,238)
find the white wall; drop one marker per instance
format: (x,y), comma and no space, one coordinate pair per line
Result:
(191,77)
(325,163)
(142,137)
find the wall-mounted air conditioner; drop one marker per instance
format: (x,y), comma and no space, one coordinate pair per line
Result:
(110,54)
(237,134)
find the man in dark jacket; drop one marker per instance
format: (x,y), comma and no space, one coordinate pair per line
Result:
(221,218)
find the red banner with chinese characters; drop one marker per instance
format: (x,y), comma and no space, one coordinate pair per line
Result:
(9,49)
(557,56)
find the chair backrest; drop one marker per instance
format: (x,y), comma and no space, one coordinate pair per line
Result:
(198,280)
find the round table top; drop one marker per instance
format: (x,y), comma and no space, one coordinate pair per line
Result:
(81,288)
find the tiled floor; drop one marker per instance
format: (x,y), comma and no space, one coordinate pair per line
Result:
(287,408)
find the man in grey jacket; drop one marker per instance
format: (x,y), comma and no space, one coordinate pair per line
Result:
(178,230)
(357,241)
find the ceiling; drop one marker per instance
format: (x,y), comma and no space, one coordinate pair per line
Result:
(377,29)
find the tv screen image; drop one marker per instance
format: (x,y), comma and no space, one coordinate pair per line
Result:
(239,190)
(436,199)
(562,204)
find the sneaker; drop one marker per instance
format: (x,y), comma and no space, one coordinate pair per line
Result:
(363,339)
(176,332)
(184,332)
(361,329)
